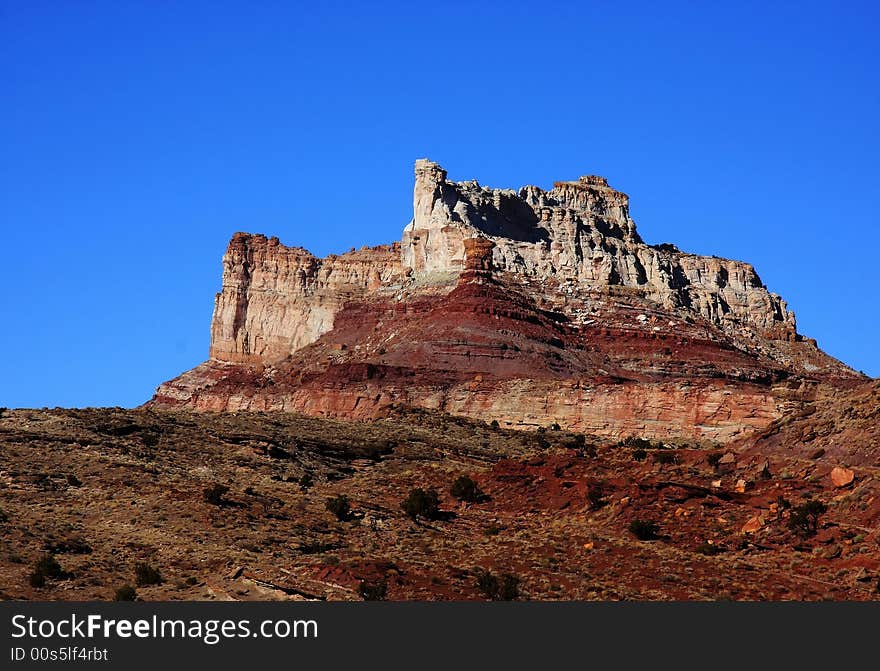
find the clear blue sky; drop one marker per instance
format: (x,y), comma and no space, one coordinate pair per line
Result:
(136,137)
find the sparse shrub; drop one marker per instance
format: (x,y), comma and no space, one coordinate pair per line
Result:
(318,547)
(216,494)
(540,441)
(509,590)
(72,545)
(555,427)
(49,567)
(804,520)
(596,496)
(465,489)
(125,593)
(644,530)
(498,588)
(588,451)
(783,502)
(487,583)
(492,530)
(73,481)
(665,458)
(636,443)
(713,459)
(339,506)
(3,516)
(145,574)
(640,454)
(422,503)
(494,424)
(709,549)
(373,590)
(306,481)
(45,567)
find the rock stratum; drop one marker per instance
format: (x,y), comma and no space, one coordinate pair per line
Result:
(532,308)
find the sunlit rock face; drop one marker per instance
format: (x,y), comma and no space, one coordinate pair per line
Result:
(531,307)
(580,232)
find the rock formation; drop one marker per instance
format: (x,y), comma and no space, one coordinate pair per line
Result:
(531,307)
(277,299)
(580,233)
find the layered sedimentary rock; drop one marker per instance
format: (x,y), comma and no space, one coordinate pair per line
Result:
(532,307)
(276,299)
(580,232)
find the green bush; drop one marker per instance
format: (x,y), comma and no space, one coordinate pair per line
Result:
(465,489)
(144,574)
(494,424)
(804,520)
(640,454)
(125,593)
(422,503)
(339,506)
(37,579)
(644,530)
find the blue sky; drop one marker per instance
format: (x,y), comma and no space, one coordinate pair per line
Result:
(138,136)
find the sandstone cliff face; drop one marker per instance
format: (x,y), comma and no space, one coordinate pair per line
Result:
(581,232)
(532,307)
(276,299)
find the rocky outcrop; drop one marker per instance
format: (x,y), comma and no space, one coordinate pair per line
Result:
(532,307)
(277,299)
(581,232)
(705,410)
